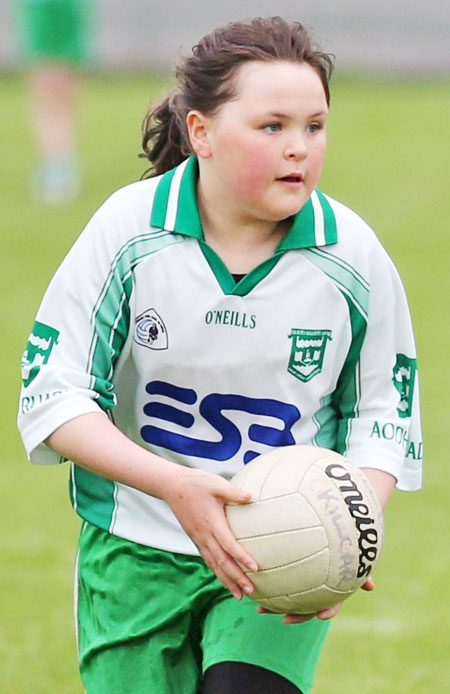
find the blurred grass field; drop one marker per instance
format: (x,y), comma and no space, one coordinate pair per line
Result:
(388,159)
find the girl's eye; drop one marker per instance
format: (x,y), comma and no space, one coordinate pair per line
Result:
(272,127)
(314,127)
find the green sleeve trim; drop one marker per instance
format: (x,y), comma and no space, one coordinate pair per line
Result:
(111,315)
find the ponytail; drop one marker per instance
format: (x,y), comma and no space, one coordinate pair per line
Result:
(164,136)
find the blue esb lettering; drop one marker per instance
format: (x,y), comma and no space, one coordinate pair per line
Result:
(212,409)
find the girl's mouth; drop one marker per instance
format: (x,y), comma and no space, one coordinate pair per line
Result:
(291,178)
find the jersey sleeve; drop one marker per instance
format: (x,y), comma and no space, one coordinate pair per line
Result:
(80,329)
(378,401)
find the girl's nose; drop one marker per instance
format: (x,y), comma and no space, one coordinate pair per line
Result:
(296,147)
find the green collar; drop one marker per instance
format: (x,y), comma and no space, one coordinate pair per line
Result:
(175,209)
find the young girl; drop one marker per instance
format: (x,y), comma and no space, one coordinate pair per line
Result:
(205,315)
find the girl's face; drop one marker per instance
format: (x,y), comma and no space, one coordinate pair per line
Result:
(262,152)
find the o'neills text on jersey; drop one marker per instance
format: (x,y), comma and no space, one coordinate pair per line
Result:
(233,318)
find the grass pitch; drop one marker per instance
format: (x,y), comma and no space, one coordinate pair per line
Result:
(388,159)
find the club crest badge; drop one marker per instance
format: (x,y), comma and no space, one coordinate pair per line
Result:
(307,352)
(38,350)
(403,379)
(150,330)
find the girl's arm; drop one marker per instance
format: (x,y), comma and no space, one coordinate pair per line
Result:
(383,484)
(197,497)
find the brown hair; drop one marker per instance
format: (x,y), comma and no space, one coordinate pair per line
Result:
(204,80)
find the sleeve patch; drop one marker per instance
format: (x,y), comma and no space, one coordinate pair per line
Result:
(403,379)
(37,352)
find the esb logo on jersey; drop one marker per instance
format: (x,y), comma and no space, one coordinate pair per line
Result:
(213,409)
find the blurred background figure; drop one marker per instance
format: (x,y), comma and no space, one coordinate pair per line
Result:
(55,40)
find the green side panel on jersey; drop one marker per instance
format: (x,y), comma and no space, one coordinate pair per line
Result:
(355,291)
(347,394)
(121,329)
(326,421)
(92,497)
(111,312)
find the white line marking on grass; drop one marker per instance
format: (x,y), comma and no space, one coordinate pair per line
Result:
(376,625)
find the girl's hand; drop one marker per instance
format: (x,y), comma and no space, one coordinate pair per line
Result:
(329,613)
(198,498)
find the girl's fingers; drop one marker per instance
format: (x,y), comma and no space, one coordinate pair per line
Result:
(207,525)
(235,495)
(234,588)
(226,570)
(221,531)
(220,487)
(232,548)
(330,612)
(369,584)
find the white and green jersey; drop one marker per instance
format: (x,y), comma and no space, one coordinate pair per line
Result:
(144,322)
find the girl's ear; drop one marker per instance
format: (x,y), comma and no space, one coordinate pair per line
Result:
(197,127)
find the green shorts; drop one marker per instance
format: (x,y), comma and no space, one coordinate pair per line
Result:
(55,29)
(154,621)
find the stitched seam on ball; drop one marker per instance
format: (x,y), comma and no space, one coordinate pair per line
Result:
(284,532)
(291,563)
(265,480)
(311,590)
(282,495)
